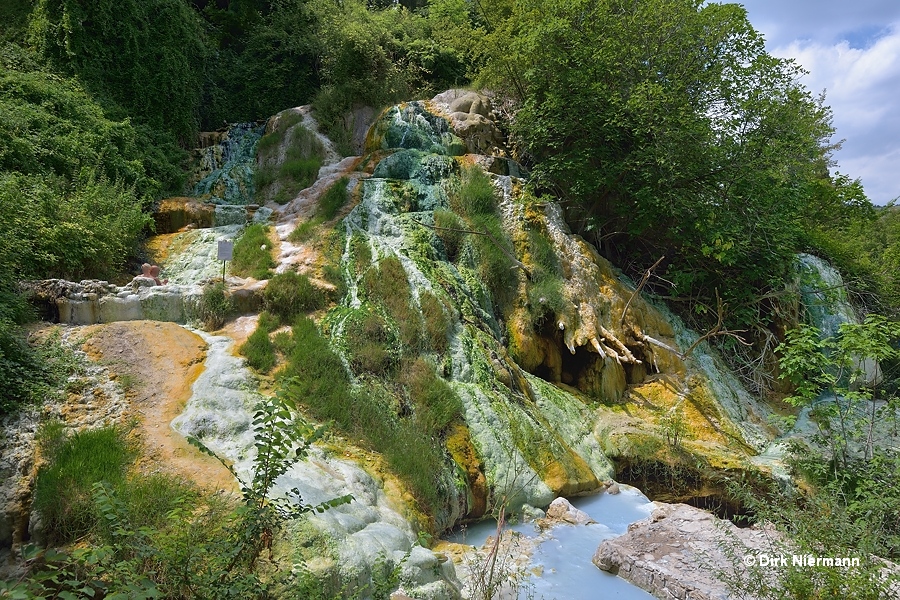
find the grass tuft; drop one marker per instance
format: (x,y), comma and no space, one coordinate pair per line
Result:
(253,253)
(289,294)
(63,494)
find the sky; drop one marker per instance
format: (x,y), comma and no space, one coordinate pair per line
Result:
(852,50)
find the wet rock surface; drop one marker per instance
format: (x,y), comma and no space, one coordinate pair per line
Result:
(678,551)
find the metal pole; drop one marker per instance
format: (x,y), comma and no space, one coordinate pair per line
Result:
(223,271)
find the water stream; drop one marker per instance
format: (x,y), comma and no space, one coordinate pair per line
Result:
(563,556)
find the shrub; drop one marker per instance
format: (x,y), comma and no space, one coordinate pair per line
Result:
(215,306)
(436,404)
(62,494)
(259,351)
(289,294)
(252,253)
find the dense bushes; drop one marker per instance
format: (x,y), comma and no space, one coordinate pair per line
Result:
(145,55)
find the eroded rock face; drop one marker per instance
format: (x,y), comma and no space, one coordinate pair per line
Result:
(676,553)
(472,118)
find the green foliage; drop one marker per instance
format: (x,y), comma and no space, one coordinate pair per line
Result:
(253,253)
(317,378)
(265,60)
(476,196)
(21,369)
(259,351)
(147,56)
(436,321)
(32,373)
(52,127)
(371,343)
(436,404)
(836,369)
(864,244)
(667,129)
(854,514)
(289,159)
(334,199)
(288,294)
(215,306)
(329,204)
(63,487)
(387,285)
(447,225)
(46,230)
(375,58)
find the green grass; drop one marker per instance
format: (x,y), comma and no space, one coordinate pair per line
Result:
(215,306)
(436,404)
(289,294)
(253,253)
(302,160)
(387,284)
(370,340)
(445,224)
(334,199)
(317,379)
(63,494)
(476,194)
(329,204)
(259,351)
(437,322)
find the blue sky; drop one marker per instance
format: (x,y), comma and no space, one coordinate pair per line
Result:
(852,50)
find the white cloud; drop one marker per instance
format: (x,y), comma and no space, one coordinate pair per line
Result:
(852,50)
(863,89)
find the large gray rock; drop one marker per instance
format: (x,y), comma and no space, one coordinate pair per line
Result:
(676,553)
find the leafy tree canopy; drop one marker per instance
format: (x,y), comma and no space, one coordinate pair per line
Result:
(667,129)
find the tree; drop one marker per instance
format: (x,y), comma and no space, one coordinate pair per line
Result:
(666,129)
(838,377)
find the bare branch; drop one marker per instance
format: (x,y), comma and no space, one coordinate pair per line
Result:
(640,285)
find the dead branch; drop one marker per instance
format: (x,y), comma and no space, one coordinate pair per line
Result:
(640,285)
(716,330)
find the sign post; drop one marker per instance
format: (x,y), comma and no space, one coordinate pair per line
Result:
(225,250)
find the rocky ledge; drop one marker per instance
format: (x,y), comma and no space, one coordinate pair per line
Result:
(682,553)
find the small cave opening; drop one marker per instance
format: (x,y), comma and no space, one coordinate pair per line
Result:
(676,483)
(577,368)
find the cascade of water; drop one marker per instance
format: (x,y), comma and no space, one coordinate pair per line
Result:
(229,166)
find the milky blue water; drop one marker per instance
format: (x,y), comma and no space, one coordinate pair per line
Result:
(565,557)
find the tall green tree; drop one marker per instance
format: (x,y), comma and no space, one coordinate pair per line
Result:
(666,129)
(147,56)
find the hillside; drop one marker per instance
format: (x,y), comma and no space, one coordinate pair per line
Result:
(442,311)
